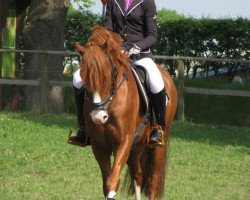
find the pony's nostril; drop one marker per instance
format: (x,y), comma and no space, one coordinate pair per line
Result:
(99,116)
(105,117)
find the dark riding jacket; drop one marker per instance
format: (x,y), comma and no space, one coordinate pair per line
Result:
(136,26)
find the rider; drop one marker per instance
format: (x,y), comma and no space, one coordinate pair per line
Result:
(135,21)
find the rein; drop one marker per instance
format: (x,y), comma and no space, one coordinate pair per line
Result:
(113,91)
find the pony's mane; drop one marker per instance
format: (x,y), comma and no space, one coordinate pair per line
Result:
(100,45)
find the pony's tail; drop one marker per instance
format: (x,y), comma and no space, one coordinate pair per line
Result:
(154,165)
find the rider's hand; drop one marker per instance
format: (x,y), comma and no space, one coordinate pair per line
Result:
(134,50)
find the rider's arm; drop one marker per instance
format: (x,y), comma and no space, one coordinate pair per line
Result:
(150,26)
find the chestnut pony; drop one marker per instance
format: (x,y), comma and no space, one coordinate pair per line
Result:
(113,110)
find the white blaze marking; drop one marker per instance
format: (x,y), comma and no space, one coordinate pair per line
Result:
(166,100)
(96,97)
(98,116)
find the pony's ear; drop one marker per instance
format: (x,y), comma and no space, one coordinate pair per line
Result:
(80,48)
(114,41)
(111,43)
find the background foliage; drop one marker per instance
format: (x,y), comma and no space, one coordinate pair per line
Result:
(179,36)
(217,38)
(78,26)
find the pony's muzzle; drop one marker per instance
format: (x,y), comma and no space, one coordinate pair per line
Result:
(99,116)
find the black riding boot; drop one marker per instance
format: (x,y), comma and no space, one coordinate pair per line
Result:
(158,134)
(80,139)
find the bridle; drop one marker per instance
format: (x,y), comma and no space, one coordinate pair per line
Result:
(103,105)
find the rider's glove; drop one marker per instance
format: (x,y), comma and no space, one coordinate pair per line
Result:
(134,50)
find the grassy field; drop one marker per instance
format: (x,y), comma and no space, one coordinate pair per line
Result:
(205,161)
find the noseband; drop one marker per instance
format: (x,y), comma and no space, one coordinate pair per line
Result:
(103,105)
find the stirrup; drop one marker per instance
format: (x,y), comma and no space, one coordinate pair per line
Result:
(69,141)
(156,144)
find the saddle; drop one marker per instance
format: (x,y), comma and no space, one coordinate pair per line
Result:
(141,77)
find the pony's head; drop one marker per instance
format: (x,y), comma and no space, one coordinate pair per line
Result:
(95,63)
(102,52)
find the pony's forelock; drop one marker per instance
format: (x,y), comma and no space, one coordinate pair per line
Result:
(94,66)
(100,45)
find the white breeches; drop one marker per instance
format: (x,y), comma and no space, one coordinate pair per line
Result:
(77,80)
(156,83)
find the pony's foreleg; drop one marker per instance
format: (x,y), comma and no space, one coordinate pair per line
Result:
(104,163)
(120,158)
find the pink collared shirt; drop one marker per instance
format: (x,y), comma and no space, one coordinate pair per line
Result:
(127,4)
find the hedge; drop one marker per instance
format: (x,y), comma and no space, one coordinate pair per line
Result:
(218,38)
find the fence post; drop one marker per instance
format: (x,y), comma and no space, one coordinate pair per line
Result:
(181,116)
(44,85)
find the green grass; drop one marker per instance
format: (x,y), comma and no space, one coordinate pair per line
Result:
(205,161)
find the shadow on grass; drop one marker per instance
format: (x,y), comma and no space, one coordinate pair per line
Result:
(210,109)
(212,134)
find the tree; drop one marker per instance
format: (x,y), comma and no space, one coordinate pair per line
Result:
(76,30)
(44,30)
(165,15)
